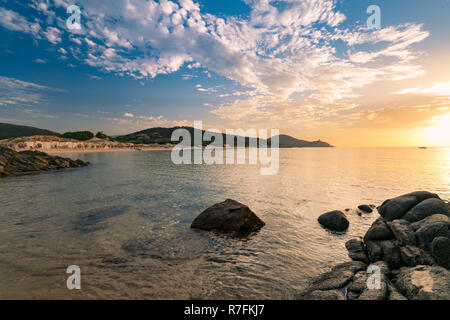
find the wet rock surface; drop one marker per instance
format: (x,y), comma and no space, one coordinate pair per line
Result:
(229,217)
(17,163)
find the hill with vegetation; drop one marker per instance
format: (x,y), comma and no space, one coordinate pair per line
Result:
(8,131)
(286,141)
(164,135)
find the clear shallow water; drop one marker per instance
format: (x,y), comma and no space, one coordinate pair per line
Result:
(125,221)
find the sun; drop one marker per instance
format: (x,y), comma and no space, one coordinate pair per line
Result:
(439,134)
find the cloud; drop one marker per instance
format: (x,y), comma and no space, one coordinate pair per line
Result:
(284,54)
(53,35)
(41,61)
(128,115)
(94,77)
(18,93)
(13,21)
(434,89)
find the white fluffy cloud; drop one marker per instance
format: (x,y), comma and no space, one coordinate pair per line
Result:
(13,21)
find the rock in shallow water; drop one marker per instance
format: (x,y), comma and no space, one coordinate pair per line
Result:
(334,220)
(365,208)
(230,217)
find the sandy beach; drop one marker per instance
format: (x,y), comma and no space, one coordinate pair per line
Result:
(66,151)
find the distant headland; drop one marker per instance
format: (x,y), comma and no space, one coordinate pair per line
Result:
(20,137)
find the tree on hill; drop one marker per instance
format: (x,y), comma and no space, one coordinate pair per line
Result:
(101,135)
(79,135)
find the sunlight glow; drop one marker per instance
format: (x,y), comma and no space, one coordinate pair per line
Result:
(439,134)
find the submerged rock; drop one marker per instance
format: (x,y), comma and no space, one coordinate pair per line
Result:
(334,220)
(230,217)
(16,163)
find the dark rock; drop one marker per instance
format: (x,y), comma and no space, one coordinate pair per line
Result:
(359,284)
(411,256)
(402,232)
(440,248)
(395,208)
(427,208)
(384,268)
(424,283)
(323,295)
(434,226)
(356,250)
(365,208)
(93,220)
(229,217)
(394,294)
(380,293)
(391,253)
(372,289)
(374,251)
(328,285)
(334,220)
(16,163)
(378,231)
(338,277)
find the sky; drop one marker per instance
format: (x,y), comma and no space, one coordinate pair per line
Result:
(310,68)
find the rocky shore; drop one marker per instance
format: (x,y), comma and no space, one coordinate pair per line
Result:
(16,163)
(407,250)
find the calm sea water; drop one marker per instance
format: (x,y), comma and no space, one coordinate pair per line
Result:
(125,221)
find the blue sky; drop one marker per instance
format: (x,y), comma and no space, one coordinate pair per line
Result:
(300,66)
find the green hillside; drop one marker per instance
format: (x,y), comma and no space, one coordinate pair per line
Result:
(8,131)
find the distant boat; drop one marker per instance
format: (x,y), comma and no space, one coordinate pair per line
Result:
(422,147)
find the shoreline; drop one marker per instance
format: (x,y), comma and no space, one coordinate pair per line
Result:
(65,151)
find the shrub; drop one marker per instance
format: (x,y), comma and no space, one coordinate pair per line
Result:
(79,135)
